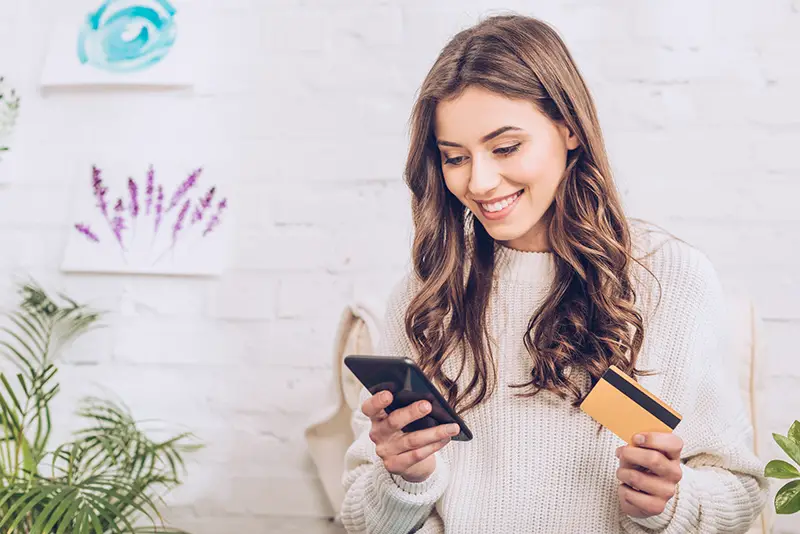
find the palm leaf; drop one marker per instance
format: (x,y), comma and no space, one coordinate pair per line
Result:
(23,323)
(55,509)
(14,356)
(64,521)
(24,506)
(103,481)
(33,354)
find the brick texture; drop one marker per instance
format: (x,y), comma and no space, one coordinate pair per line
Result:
(302,107)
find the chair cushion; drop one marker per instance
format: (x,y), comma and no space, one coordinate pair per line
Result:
(358,342)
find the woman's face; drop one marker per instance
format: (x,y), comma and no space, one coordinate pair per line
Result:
(503,159)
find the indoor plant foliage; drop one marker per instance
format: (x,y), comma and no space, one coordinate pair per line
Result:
(787,500)
(108,477)
(9,110)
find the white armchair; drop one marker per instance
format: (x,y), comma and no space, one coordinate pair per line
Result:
(747,354)
(329,433)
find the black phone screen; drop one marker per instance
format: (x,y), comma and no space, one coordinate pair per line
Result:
(408,385)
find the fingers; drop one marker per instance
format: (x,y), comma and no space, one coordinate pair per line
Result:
(638,504)
(385,425)
(398,419)
(402,462)
(669,444)
(649,470)
(655,461)
(374,406)
(647,483)
(416,440)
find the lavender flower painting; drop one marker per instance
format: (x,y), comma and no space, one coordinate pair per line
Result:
(153,222)
(122,42)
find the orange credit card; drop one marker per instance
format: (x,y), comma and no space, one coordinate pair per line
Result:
(626,408)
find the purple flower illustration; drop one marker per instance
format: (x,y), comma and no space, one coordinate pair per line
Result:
(205,203)
(214,222)
(121,213)
(85,230)
(184,188)
(179,221)
(99,191)
(134,192)
(159,206)
(148,190)
(117,226)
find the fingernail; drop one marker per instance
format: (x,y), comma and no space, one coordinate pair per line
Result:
(386,396)
(453,429)
(617,452)
(638,439)
(425,406)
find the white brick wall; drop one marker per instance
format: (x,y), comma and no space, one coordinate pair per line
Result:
(303,106)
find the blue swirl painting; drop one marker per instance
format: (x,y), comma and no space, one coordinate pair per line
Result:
(125,36)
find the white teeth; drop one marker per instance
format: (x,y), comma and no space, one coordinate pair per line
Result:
(497,206)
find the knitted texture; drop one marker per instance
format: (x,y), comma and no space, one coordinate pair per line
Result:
(538,464)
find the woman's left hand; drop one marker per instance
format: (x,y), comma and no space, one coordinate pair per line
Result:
(649,472)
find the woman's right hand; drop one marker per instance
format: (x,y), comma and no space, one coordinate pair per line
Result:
(409,455)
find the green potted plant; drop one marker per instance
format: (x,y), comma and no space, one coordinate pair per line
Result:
(787,500)
(110,476)
(9,110)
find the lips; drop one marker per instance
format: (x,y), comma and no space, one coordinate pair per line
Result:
(498,204)
(499,209)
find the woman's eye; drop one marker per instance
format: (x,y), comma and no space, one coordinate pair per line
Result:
(454,161)
(506,150)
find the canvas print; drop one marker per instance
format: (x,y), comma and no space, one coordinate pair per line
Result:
(121,42)
(158,223)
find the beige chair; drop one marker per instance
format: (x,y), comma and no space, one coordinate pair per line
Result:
(330,434)
(747,354)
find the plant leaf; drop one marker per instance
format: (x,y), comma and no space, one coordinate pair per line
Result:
(22,363)
(109,476)
(11,393)
(29,329)
(789,447)
(781,469)
(66,517)
(787,500)
(55,511)
(794,432)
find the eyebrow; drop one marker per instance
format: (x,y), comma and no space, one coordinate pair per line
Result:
(485,138)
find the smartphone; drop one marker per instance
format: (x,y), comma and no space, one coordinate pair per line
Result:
(407,384)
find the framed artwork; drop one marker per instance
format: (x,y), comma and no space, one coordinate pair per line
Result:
(119,43)
(165,219)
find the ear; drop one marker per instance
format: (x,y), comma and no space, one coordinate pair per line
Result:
(570,139)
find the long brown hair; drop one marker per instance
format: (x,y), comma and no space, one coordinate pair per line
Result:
(588,320)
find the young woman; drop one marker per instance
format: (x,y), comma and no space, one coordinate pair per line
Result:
(528,282)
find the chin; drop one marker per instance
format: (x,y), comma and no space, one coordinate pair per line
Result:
(517,232)
(505,234)
(520,225)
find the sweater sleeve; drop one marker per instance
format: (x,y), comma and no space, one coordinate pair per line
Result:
(376,501)
(723,489)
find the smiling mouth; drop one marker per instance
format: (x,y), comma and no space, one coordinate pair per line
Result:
(500,205)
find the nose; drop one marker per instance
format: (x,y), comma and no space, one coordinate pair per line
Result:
(484,178)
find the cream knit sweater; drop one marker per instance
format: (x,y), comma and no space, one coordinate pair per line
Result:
(538,464)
